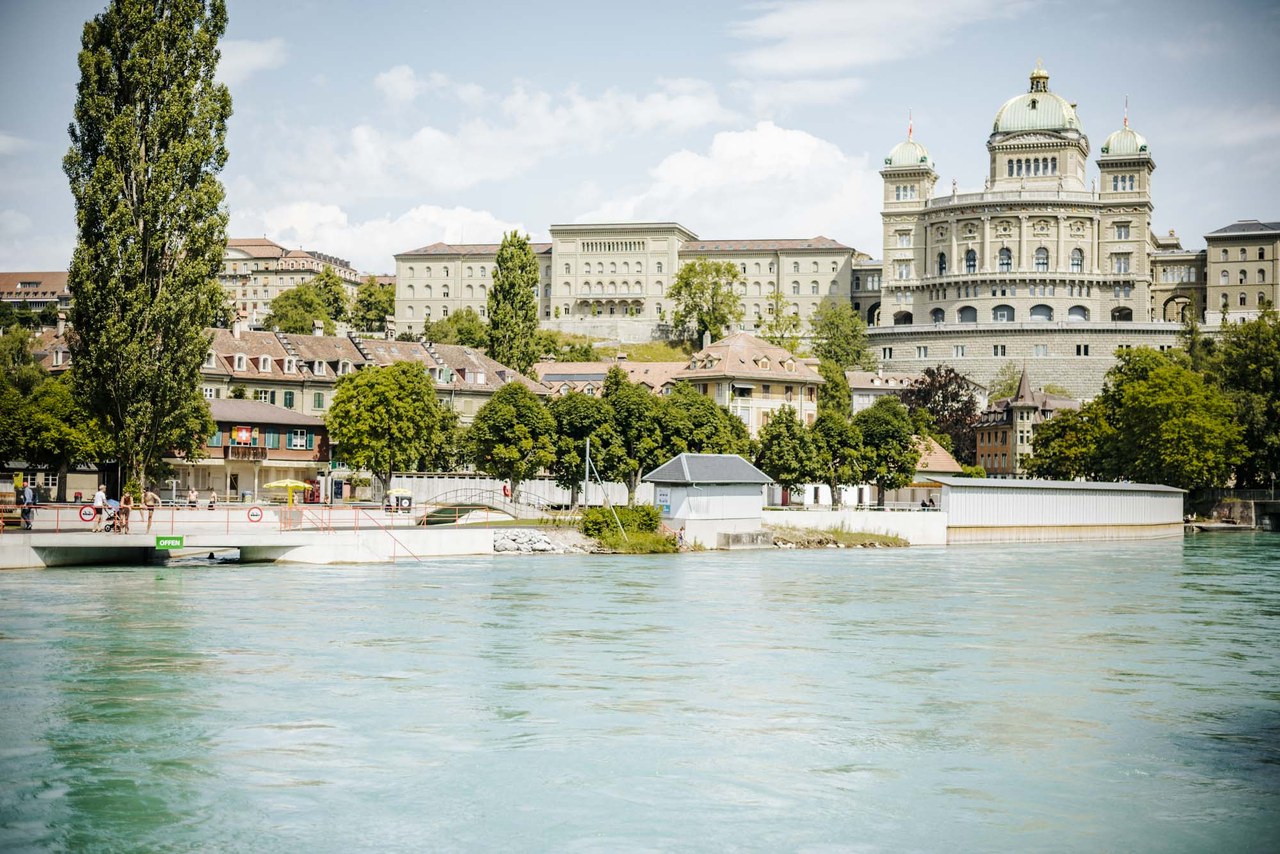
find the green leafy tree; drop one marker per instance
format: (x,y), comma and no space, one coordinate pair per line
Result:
(782,328)
(1169,425)
(513,304)
(385,419)
(639,433)
(838,452)
(694,423)
(296,310)
(464,327)
(891,451)
(147,143)
(948,396)
(840,336)
(56,433)
(513,436)
(332,292)
(1066,446)
(1249,373)
(448,452)
(705,299)
(834,395)
(374,303)
(1200,348)
(579,417)
(786,450)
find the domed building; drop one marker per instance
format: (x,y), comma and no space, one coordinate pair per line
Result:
(1045,265)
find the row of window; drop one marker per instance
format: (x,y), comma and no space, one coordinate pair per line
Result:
(1224,278)
(1006,314)
(1033,166)
(614,246)
(1244,299)
(1244,254)
(300,439)
(904,192)
(958,350)
(1175,275)
(263,395)
(264,364)
(1122,183)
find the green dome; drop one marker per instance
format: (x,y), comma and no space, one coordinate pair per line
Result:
(1125,142)
(1038,109)
(908,153)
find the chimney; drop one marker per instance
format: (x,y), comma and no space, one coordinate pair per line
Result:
(706,339)
(237,326)
(317,328)
(62,323)
(390,321)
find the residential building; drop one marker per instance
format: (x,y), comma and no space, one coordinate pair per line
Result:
(255,270)
(253,444)
(869,386)
(37,290)
(1006,428)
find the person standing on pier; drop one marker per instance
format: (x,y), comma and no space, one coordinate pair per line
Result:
(28,506)
(99,506)
(126,510)
(150,500)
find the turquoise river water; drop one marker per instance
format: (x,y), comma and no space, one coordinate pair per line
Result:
(1100,697)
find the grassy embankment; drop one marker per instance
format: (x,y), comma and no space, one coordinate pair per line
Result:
(812,538)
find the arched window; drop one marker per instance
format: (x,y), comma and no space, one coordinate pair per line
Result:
(1223,278)
(659,267)
(1019,168)
(1224,254)
(1041,312)
(1262,298)
(411,272)
(937,315)
(470,272)
(1244,254)
(446,272)
(1042,260)
(613,266)
(410,312)
(546,292)
(795,266)
(795,287)
(1225,300)
(971,261)
(795,309)
(902,318)
(1077,261)
(1262,254)
(942,263)
(444,311)
(1244,298)
(968,314)
(482,271)
(426,291)
(1262,276)
(639,266)
(444,292)
(471,292)
(426,312)
(409,292)
(1006,261)
(1002,314)
(815,267)
(1244,277)
(1053,165)
(567,269)
(1077,312)
(626,268)
(757,268)
(426,271)
(1122,314)
(813,287)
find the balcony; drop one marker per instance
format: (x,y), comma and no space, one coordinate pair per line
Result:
(246,452)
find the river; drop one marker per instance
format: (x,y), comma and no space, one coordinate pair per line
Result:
(1083,697)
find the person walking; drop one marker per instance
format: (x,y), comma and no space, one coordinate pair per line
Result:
(150,501)
(28,506)
(126,510)
(99,506)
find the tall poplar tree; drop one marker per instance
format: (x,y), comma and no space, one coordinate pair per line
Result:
(513,304)
(147,143)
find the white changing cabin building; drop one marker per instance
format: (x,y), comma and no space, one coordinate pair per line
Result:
(708,495)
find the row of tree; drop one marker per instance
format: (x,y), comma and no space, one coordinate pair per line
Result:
(1203,416)
(389,419)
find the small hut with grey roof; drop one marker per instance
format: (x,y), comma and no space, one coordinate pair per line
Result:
(712,497)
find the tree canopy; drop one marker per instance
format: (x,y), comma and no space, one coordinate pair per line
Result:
(332,292)
(639,445)
(513,304)
(834,395)
(386,419)
(513,436)
(296,310)
(786,450)
(693,423)
(464,327)
(1066,446)
(1248,371)
(579,417)
(781,327)
(840,336)
(891,453)
(147,144)
(837,452)
(374,303)
(705,299)
(948,396)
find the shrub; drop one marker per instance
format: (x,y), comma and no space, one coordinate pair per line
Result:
(596,521)
(639,543)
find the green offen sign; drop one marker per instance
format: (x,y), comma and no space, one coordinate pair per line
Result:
(169,542)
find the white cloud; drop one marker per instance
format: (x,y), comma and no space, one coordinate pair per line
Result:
(10,144)
(23,251)
(369,244)
(401,85)
(242,58)
(775,98)
(507,138)
(1229,126)
(788,182)
(13,223)
(823,36)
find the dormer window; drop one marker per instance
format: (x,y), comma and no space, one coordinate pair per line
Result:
(290,365)
(264,364)
(210,360)
(241,362)
(317,368)
(57,358)
(344,368)
(479,380)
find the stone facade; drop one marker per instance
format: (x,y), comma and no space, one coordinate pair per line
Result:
(255,270)
(1242,269)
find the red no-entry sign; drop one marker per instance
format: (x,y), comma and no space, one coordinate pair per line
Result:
(255,514)
(86,513)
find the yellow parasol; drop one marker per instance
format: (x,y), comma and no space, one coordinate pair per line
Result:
(399,490)
(289,485)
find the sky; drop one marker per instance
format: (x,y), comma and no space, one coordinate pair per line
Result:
(367,129)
